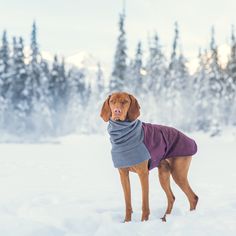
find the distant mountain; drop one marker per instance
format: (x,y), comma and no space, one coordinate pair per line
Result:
(83,60)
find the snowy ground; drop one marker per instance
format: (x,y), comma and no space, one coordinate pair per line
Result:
(70,188)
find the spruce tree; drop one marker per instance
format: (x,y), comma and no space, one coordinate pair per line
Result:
(175,87)
(171,86)
(18,90)
(215,75)
(34,70)
(119,73)
(54,82)
(4,66)
(100,83)
(156,67)
(35,54)
(230,84)
(200,93)
(136,72)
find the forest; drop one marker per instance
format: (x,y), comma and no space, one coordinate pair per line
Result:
(41,98)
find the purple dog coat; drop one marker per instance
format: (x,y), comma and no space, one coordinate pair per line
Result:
(134,142)
(164,142)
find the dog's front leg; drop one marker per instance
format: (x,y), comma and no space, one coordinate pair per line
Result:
(144,175)
(124,177)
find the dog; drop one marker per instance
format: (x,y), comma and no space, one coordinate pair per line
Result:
(157,146)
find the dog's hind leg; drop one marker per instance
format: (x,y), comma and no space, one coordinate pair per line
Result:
(180,167)
(164,177)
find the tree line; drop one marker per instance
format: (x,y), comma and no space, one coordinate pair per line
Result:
(171,95)
(42,98)
(38,97)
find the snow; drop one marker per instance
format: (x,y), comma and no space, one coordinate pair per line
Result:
(69,187)
(83,59)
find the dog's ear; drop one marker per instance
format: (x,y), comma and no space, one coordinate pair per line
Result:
(106,110)
(133,112)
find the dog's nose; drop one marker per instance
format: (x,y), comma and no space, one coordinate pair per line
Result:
(117,111)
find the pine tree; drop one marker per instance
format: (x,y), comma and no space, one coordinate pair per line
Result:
(76,100)
(54,81)
(4,78)
(170,82)
(4,66)
(172,93)
(34,70)
(135,72)
(77,85)
(100,83)
(215,75)
(120,61)
(41,114)
(138,70)
(156,67)
(18,90)
(230,84)
(35,54)
(200,94)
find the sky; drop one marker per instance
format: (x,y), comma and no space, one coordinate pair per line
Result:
(69,27)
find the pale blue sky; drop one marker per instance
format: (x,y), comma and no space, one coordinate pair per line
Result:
(70,26)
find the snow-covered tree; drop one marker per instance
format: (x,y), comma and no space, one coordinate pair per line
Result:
(58,92)
(176,81)
(119,73)
(33,84)
(35,54)
(4,78)
(200,92)
(18,91)
(135,72)
(156,67)
(216,89)
(230,84)
(100,82)
(76,99)
(4,65)
(42,112)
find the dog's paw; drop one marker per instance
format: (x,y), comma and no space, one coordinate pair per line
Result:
(163,218)
(127,219)
(145,217)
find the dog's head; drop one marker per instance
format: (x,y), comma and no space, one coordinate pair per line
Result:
(120,106)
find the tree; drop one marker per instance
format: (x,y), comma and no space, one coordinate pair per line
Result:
(137,71)
(100,83)
(4,78)
(58,92)
(176,89)
(18,91)
(120,67)
(35,54)
(200,93)
(230,84)
(156,67)
(216,81)
(76,100)
(4,66)
(34,70)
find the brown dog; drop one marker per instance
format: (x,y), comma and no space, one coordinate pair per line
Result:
(123,106)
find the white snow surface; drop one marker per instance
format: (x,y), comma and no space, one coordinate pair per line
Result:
(70,188)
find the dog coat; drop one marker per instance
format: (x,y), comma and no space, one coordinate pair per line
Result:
(126,139)
(166,142)
(134,142)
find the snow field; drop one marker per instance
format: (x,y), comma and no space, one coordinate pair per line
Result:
(70,187)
